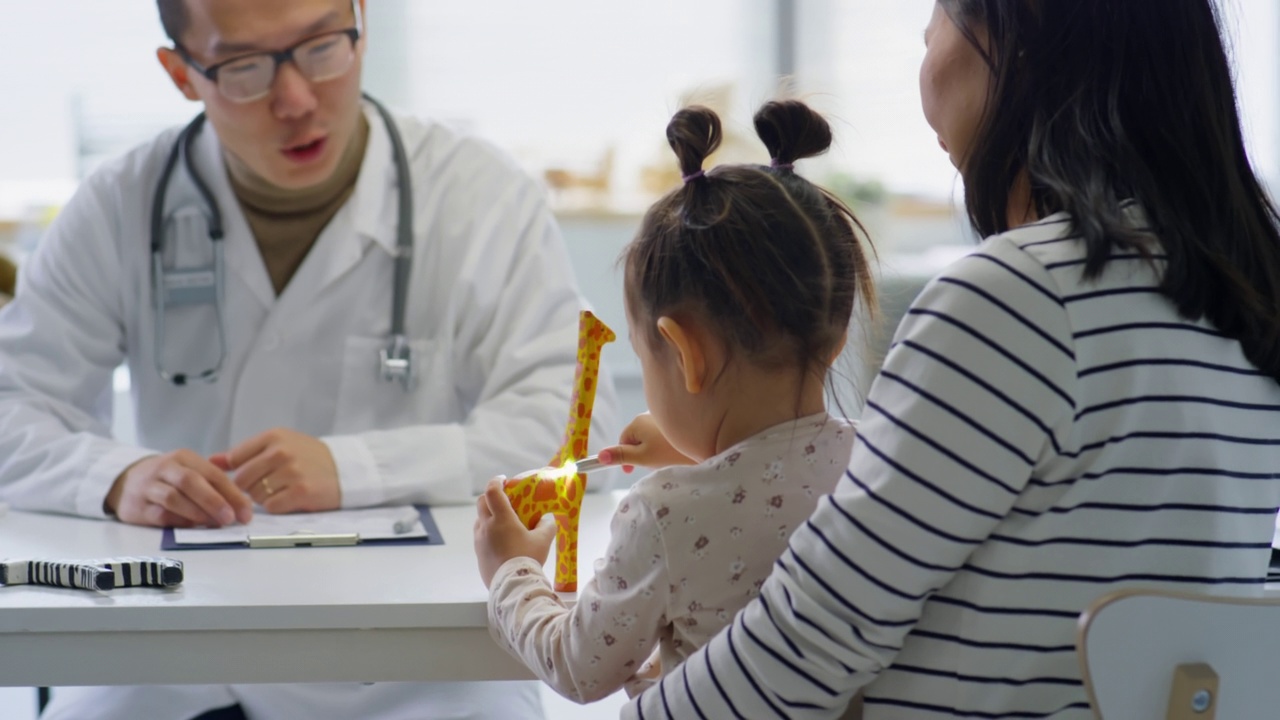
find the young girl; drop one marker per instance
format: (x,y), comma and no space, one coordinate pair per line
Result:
(739,290)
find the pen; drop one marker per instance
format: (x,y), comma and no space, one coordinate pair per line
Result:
(406,523)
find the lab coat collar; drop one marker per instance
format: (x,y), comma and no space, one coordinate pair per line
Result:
(372,207)
(376,199)
(369,215)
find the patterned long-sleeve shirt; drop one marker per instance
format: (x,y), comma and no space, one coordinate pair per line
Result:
(1034,442)
(690,546)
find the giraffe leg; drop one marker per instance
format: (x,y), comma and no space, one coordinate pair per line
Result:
(567,535)
(567,552)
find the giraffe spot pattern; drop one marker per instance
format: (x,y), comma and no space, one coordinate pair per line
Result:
(563,498)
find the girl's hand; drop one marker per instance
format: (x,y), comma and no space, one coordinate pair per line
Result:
(643,444)
(500,536)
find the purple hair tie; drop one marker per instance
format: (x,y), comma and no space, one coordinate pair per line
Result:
(781,165)
(693,176)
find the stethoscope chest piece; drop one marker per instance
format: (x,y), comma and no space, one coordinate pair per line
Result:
(396,362)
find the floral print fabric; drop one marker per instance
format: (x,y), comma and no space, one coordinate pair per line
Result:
(690,546)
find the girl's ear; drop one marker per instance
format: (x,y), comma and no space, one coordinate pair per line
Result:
(690,352)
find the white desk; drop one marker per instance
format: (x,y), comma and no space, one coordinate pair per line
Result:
(362,614)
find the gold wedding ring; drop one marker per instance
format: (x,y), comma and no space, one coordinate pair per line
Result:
(266,486)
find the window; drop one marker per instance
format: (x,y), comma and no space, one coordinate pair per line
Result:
(567,85)
(579,91)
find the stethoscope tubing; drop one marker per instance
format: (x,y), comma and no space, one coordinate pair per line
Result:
(395,358)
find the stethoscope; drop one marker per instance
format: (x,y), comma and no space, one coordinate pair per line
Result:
(205,285)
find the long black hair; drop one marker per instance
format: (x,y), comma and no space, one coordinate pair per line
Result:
(1102,101)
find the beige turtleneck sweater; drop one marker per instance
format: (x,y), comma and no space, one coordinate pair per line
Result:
(286,223)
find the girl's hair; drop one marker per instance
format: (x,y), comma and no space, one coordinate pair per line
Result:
(770,261)
(1100,102)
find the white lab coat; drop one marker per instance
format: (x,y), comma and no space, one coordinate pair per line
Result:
(492,316)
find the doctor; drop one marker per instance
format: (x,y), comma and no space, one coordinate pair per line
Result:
(247,271)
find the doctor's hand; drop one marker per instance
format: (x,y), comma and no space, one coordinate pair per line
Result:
(285,471)
(642,443)
(179,489)
(500,536)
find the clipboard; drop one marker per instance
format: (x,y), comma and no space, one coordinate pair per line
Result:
(169,543)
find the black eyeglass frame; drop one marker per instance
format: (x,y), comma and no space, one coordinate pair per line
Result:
(280,57)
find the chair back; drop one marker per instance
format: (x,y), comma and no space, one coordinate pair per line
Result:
(1155,654)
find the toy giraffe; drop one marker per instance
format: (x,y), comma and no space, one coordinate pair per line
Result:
(558,488)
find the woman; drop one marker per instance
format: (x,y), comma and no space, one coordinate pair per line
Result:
(1088,402)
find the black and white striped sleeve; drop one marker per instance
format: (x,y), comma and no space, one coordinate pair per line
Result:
(977,387)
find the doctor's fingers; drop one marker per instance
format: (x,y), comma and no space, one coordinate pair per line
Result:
(193,460)
(217,479)
(271,463)
(240,455)
(292,499)
(222,461)
(159,517)
(221,501)
(270,486)
(172,499)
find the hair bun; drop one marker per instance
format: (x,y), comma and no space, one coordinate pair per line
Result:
(694,133)
(792,131)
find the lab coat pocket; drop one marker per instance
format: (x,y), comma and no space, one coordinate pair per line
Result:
(368,402)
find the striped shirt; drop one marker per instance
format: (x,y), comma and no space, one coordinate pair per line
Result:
(1034,442)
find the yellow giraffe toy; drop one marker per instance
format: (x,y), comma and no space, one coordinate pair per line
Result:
(558,489)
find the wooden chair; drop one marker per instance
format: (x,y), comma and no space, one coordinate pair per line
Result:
(1151,654)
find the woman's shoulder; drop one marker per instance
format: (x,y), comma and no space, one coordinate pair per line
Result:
(1048,258)
(1025,263)
(1010,296)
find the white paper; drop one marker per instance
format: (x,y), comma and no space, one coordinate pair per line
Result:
(369,524)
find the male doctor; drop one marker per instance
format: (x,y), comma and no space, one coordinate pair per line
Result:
(265,387)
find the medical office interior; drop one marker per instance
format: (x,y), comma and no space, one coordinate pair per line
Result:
(579,92)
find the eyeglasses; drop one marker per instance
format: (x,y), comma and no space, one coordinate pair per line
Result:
(250,77)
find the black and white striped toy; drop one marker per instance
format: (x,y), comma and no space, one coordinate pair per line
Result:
(106,574)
